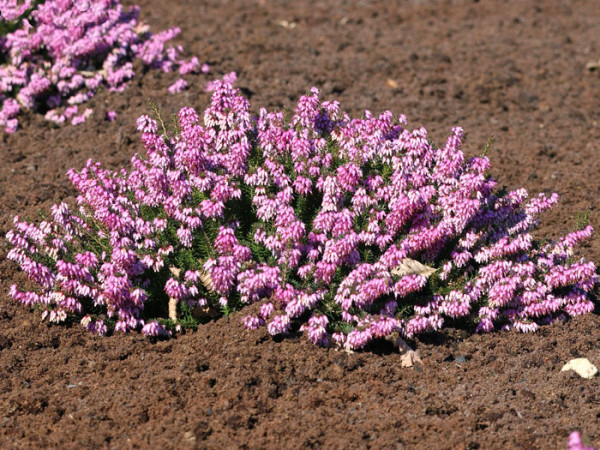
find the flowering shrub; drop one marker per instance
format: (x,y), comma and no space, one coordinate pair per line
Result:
(350,229)
(55,53)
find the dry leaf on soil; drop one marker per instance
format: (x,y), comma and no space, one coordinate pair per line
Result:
(408,356)
(411,267)
(582,366)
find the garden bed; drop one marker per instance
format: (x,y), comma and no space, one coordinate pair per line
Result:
(517,72)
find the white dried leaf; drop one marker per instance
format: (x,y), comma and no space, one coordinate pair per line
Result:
(206,280)
(173,309)
(411,267)
(391,83)
(582,366)
(593,65)
(408,356)
(286,24)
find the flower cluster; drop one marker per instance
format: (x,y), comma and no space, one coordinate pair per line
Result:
(56,54)
(575,442)
(348,230)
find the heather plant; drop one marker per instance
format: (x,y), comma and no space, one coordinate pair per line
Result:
(346,229)
(56,54)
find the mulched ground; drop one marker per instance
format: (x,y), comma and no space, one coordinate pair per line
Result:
(513,69)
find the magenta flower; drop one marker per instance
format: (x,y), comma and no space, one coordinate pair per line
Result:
(575,442)
(179,86)
(153,329)
(279,325)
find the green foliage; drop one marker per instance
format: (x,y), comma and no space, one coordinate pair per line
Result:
(582,220)
(171,128)
(307,207)
(369,254)
(204,237)
(488,145)
(157,304)
(186,318)
(260,253)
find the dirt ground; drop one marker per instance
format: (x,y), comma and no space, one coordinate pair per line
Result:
(512,69)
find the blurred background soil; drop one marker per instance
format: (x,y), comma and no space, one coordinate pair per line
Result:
(514,70)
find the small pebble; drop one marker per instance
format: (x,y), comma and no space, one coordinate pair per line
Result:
(582,366)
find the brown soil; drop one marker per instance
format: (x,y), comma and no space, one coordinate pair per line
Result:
(511,69)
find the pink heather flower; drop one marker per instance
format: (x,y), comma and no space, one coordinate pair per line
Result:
(205,68)
(179,86)
(192,276)
(525,327)
(83,117)
(279,325)
(316,330)
(575,442)
(53,116)
(266,310)
(295,308)
(185,236)
(154,329)
(229,78)
(160,224)
(484,326)
(145,124)
(191,66)
(175,290)
(111,116)
(253,322)
(357,339)
(339,338)
(70,111)
(76,62)
(86,321)
(11,125)
(100,328)
(11,10)
(57,316)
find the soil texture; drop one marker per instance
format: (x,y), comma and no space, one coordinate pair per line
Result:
(514,69)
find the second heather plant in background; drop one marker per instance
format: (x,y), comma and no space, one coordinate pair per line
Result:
(348,229)
(56,54)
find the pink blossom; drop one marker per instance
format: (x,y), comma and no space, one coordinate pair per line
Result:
(85,47)
(575,442)
(179,86)
(279,325)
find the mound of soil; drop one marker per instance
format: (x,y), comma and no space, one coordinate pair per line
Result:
(515,70)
